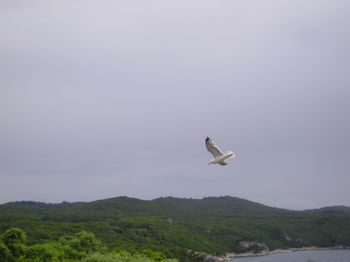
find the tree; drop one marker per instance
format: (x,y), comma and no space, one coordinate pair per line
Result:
(85,242)
(45,252)
(14,239)
(5,255)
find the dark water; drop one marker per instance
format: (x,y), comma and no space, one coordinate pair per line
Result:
(302,256)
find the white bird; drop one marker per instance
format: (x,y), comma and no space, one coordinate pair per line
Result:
(219,157)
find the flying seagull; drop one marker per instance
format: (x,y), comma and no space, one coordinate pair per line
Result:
(219,157)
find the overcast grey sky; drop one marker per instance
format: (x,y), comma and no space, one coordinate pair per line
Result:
(107,98)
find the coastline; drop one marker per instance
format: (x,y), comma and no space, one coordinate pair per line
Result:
(231,256)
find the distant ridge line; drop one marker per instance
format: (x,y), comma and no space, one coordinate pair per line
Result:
(229,201)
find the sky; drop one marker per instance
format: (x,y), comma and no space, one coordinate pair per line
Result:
(101,99)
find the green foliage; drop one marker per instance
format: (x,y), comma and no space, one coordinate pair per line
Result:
(83,246)
(162,229)
(13,237)
(5,254)
(84,242)
(154,255)
(14,240)
(122,257)
(45,252)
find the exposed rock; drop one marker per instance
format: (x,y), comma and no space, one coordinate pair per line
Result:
(286,236)
(210,259)
(253,244)
(231,256)
(225,258)
(247,244)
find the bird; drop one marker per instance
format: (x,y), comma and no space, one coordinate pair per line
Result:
(219,157)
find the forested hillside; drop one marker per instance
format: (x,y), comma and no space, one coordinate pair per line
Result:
(175,226)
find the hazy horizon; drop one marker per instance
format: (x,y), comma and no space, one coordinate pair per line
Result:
(108,98)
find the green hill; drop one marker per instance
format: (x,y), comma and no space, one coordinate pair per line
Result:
(331,210)
(120,207)
(214,225)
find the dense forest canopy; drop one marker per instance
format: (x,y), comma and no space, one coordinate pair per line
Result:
(171,228)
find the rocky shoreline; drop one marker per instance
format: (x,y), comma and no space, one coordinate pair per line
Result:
(231,256)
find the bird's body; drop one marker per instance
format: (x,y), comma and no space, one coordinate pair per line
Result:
(219,157)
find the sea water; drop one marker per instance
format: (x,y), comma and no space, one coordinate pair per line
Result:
(301,256)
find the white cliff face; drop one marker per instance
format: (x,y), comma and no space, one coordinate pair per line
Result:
(289,238)
(248,244)
(286,236)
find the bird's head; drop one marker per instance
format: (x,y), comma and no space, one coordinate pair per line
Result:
(230,154)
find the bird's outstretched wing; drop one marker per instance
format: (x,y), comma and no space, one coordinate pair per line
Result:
(212,148)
